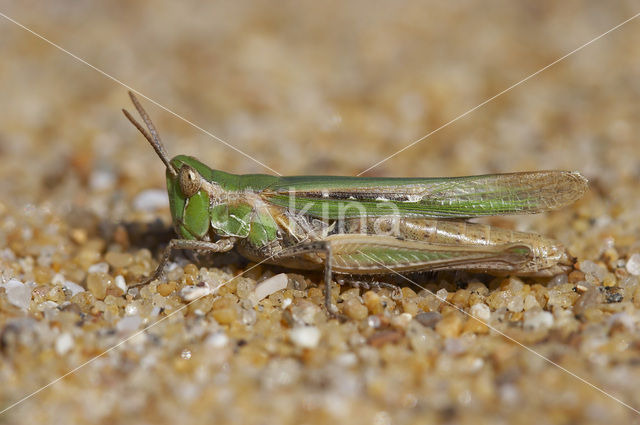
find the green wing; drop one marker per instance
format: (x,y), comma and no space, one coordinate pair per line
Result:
(455,197)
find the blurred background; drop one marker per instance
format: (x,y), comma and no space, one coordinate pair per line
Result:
(318,88)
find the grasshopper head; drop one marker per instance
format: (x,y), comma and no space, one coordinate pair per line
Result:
(188,201)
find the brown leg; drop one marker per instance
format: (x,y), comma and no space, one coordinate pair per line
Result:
(223,245)
(317,246)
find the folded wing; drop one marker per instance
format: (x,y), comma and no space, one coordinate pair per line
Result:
(453,197)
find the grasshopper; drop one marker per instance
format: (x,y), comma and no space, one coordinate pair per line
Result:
(361,225)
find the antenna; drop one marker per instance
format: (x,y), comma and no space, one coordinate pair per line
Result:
(154,137)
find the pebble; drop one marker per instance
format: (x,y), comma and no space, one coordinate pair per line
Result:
(346,360)
(384,337)
(305,336)
(530,302)
(118,259)
(590,267)
(79,236)
(131,309)
(612,296)
(97,284)
(454,346)
(633,264)
(128,324)
(354,309)
(72,287)
(421,339)
(286,303)
(101,180)
(18,294)
(225,316)
(64,343)
(245,288)
(217,340)
(537,320)
(151,200)
(442,294)
(98,268)
(120,283)
(624,319)
(48,306)
(516,304)
(401,321)
(193,292)
(249,317)
(481,311)
(428,319)
(374,321)
(268,287)
(560,279)
(515,285)
(373,302)
(450,325)
(165,289)
(304,312)
(590,298)
(575,276)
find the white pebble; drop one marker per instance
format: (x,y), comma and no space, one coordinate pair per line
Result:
(516,304)
(47,305)
(442,294)
(286,303)
(192,292)
(72,287)
(374,322)
(121,283)
(515,285)
(538,319)
(481,311)
(401,321)
(18,293)
(128,324)
(346,359)
(268,287)
(249,317)
(560,279)
(633,264)
(101,180)
(589,267)
(217,340)
(151,200)
(99,268)
(530,302)
(131,309)
(64,343)
(305,336)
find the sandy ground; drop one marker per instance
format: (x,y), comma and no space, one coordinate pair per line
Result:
(312,88)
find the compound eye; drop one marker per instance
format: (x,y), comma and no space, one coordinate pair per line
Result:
(189,181)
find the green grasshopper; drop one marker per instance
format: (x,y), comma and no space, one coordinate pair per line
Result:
(360,225)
